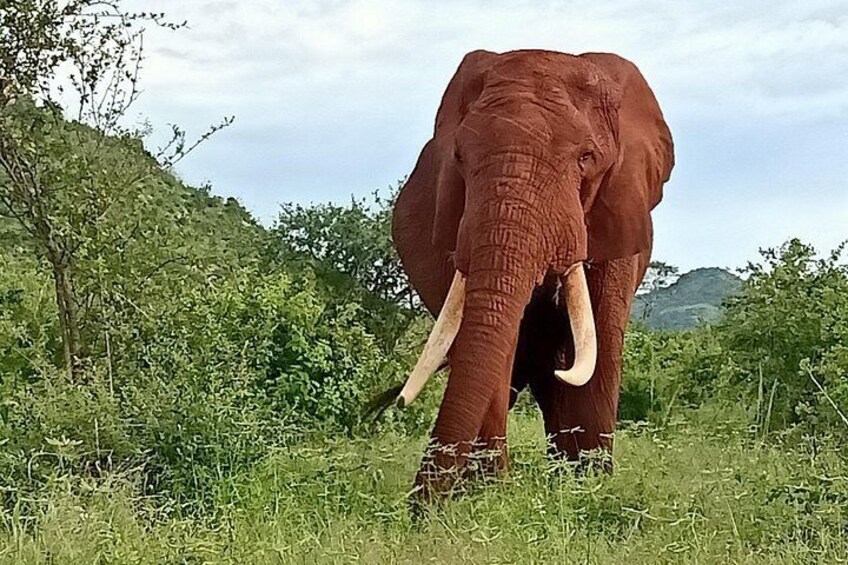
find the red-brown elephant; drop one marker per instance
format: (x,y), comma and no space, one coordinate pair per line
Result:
(526,229)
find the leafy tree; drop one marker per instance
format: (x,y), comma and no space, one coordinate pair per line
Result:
(62,181)
(83,54)
(659,275)
(350,250)
(785,336)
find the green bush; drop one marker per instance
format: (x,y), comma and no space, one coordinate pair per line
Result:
(28,333)
(779,352)
(221,374)
(666,371)
(787,329)
(349,248)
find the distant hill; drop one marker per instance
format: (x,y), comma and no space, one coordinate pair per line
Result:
(694,299)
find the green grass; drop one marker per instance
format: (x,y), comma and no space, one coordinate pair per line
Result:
(690,493)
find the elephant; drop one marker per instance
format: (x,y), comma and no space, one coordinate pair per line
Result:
(525,228)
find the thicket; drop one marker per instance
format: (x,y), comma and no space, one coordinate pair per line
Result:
(204,339)
(780,351)
(145,324)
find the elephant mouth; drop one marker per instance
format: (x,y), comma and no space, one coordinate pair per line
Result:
(573,290)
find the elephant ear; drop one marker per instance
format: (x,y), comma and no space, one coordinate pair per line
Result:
(619,218)
(462,90)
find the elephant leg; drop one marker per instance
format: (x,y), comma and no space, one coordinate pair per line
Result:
(446,461)
(489,456)
(533,355)
(582,419)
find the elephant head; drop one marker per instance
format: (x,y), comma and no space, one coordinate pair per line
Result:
(540,163)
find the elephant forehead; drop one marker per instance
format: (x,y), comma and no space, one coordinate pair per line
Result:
(516,95)
(510,115)
(555,76)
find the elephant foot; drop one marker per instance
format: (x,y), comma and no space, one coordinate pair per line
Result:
(447,470)
(442,468)
(586,455)
(488,460)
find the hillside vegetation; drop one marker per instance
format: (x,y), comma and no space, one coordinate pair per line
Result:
(179,384)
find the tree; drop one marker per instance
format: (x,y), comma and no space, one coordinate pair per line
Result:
(786,333)
(350,250)
(62,179)
(658,276)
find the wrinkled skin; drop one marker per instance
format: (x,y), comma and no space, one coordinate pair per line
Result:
(539,161)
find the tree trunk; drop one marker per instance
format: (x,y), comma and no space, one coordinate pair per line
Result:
(66,302)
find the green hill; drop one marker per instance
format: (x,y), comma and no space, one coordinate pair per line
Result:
(695,298)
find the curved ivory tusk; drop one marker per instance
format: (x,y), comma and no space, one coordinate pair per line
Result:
(582,327)
(441,338)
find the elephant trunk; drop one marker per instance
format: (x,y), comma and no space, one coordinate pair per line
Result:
(501,273)
(502,251)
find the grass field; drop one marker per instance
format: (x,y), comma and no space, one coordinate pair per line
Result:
(702,491)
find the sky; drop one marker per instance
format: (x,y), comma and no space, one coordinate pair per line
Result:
(334,98)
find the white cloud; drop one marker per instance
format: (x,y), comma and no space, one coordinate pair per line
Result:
(336,96)
(732,234)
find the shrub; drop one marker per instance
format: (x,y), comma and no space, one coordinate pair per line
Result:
(779,352)
(786,328)
(667,370)
(28,332)
(349,248)
(220,374)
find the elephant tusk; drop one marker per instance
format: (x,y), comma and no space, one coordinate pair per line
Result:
(582,328)
(441,338)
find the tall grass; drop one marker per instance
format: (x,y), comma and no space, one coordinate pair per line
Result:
(697,491)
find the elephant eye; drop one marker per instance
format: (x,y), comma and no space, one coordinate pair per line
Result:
(584,158)
(456,155)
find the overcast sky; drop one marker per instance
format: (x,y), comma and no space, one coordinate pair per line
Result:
(334,98)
